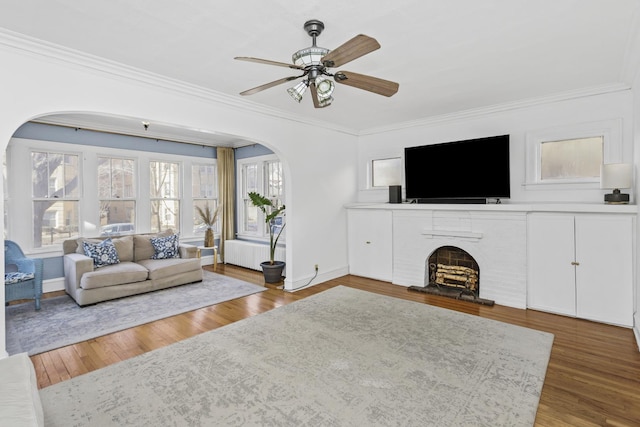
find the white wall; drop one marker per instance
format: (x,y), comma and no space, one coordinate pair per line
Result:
(616,107)
(636,158)
(319,182)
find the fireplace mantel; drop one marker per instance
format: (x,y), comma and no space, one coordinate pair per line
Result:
(452,233)
(504,207)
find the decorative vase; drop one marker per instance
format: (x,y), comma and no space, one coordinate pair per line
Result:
(272,272)
(208,238)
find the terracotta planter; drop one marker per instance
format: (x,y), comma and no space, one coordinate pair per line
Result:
(272,273)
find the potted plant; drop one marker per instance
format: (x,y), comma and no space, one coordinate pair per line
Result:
(272,269)
(208,218)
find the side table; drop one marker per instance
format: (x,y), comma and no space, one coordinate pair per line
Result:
(215,253)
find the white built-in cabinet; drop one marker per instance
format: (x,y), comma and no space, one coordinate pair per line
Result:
(370,243)
(582,265)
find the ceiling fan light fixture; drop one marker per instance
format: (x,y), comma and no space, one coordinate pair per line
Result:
(325,102)
(324,87)
(298,90)
(309,56)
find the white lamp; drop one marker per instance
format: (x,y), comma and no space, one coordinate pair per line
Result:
(616,176)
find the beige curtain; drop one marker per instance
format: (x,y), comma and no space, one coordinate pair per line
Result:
(226,193)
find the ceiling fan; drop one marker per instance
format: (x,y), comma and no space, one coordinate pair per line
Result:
(314,62)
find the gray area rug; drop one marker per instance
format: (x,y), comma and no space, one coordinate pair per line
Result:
(62,322)
(343,357)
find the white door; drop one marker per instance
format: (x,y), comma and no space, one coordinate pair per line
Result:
(604,278)
(370,243)
(551,273)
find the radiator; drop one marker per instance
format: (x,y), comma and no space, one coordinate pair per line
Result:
(249,254)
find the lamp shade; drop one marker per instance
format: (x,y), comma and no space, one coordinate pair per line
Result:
(297,91)
(324,87)
(616,175)
(309,56)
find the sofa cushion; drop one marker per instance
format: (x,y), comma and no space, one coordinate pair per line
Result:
(19,398)
(103,253)
(113,275)
(142,247)
(124,246)
(159,268)
(165,247)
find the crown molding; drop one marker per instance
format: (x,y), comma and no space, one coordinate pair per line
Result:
(500,108)
(84,61)
(43,49)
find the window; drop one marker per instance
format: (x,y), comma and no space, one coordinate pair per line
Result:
(571,158)
(204,190)
(249,184)
(386,172)
(55,197)
(274,182)
(6,192)
(263,175)
(127,191)
(165,195)
(116,190)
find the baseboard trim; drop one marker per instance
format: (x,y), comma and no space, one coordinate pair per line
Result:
(636,328)
(53,285)
(305,282)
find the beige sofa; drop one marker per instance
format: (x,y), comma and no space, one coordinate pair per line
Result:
(136,272)
(20,403)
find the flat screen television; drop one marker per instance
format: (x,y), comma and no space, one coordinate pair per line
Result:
(468,171)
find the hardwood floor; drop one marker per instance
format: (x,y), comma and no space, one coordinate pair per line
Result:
(593,378)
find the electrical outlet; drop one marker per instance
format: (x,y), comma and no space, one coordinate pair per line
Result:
(316,267)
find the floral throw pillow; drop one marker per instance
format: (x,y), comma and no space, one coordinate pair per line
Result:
(103,253)
(165,247)
(17,277)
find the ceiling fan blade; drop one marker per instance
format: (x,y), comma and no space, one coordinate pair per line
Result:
(355,48)
(268,85)
(268,62)
(314,95)
(372,84)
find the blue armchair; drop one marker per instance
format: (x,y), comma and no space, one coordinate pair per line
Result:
(22,275)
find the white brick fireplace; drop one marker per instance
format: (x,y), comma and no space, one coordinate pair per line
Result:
(497,240)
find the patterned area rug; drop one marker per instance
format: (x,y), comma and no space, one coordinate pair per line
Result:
(62,322)
(343,357)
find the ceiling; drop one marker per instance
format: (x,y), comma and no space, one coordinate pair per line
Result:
(448,56)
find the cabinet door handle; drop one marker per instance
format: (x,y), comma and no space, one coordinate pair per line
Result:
(575,263)
(368,242)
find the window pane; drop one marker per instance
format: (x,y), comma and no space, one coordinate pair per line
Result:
(250,172)
(118,212)
(54,221)
(571,158)
(6,192)
(54,175)
(165,180)
(165,214)
(203,178)
(250,217)
(386,172)
(122,178)
(275,180)
(39,175)
(70,176)
(104,178)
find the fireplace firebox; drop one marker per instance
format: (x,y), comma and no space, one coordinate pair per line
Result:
(452,272)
